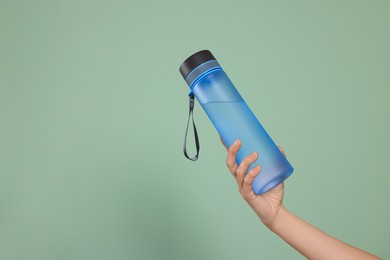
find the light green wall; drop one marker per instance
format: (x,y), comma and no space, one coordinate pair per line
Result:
(93,112)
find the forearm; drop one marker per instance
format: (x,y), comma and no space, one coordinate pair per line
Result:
(312,242)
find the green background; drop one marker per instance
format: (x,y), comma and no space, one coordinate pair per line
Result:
(93,112)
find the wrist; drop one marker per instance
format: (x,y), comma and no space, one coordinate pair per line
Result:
(273,225)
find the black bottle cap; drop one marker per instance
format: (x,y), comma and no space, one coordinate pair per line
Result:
(194,61)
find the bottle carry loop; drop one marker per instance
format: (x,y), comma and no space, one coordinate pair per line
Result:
(191,105)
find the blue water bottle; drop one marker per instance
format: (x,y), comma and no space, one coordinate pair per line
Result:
(233,119)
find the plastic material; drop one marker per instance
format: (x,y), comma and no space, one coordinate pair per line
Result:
(194,61)
(233,120)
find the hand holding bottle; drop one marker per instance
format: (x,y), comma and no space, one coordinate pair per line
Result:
(305,238)
(268,205)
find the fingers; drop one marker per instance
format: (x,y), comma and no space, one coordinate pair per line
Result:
(247,190)
(244,181)
(281,149)
(243,167)
(231,158)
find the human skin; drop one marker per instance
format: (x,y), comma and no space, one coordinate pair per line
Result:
(305,238)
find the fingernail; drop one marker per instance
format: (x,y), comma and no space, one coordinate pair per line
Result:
(237,142)
(254,154)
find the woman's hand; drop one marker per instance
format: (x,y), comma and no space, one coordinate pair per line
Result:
(267,206)
(305,238)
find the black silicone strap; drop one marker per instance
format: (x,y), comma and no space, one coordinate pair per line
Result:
(190,114)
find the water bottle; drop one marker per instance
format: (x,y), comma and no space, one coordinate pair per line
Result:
(233,119)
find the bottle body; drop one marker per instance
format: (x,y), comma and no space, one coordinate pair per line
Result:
(234,120)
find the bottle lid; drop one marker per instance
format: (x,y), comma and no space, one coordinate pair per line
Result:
(194,61)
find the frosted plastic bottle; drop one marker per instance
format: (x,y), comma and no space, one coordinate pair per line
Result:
(233,119)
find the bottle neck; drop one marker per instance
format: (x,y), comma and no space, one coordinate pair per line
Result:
(201,71)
